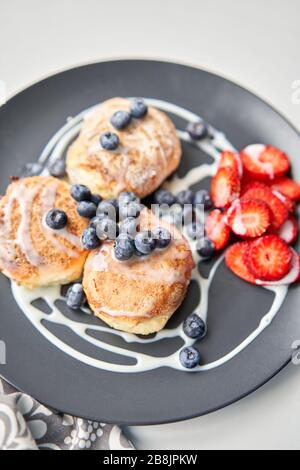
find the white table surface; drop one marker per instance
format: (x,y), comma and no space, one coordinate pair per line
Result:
(253,42)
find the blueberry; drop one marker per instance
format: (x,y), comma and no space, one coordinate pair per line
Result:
(79,192)
(126,197)
(187,215)
(89,239)
(109,141)
(195,230)
(32,169)
(75,296)
(203,197)
(185,197)
(121,119)
(197,130)
(87,209)
(144,242)
(95,220)
(58,168)
(139,109)
(162,237)
(56,219)
(96,199)
(205,247)
(107,229)
(164,197)
(133,209)
(124,247)
(129,226)
(108,208)
(189,357)
(194,326)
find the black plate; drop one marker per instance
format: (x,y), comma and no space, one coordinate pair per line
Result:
(34,365)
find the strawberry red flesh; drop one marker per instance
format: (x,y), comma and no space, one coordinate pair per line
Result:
(249,218)
(234,260)
(225,187)
(217,229)
(264,161)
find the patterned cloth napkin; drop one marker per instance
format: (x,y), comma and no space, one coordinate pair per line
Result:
(25,424)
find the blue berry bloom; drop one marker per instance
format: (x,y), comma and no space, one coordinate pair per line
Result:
(121,119)
(132,209)
(205,247)
(58,168)
(89,239)
(109,141)
(144,242)
(195,230)
(96,199)
(75,296)
(56,219)
(130,226)
(124,247)
(95,220)
(164,197)
(108,208)
(189,357)
(126,197)
(203,197)
(197,130)
(79,192)
(139,109)
(194,327)
(87,209)
(185,197)
(162,237)
(107,229)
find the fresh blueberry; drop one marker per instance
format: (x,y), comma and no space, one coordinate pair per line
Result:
(95,220)
(32,169)
(109,141)
(205,247)
(107,229)
(145,242)
(189,357)
(164,197)
(127,197)
(79,192)
(132,209)
(129,226)
(121,119)
(203,197)
(56,219)
(75,296)
(58,168)
(162,237)
(89,239)
(194,326)
(124,247)
(195,230)
(185,197)
(187,215)
(108,208)
(197,130)
(139,109)
(96,199)
(87,209)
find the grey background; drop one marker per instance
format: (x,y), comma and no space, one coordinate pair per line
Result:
(255,43)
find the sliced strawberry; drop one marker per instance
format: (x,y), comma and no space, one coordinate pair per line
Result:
(292,276)
(288,188)
(269,258)
(231,160)
(216,229)
(278,209)
(249,218)
(264,162)
(289,230)
(225,187)
(234,260)
(289,203)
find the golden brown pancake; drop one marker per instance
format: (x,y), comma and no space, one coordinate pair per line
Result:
(140,295)
(31,253)
(149,152)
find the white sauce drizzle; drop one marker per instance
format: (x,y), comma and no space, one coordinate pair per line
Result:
(143,362)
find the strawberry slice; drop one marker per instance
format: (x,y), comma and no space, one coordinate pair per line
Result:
(232,160)
(225,187)
(289,230)
(269,258)
(216,229)
(292,276)
(234,260)
(277,207)
(288,188)
(249,218)
(289,203)
(264,162)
